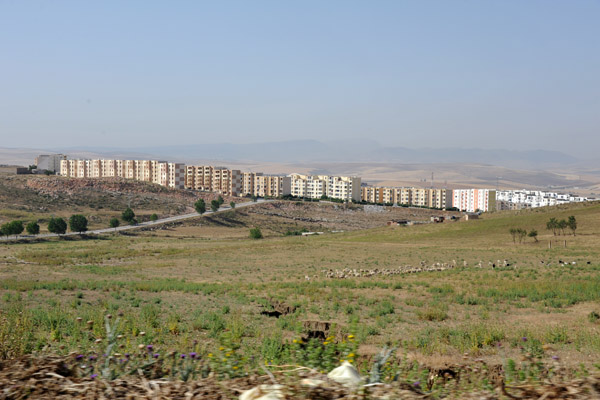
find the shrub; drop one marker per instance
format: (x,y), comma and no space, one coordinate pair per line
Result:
(153,217)
(114,222)
(432,314)
(128,215)
(200,206)
(255,233)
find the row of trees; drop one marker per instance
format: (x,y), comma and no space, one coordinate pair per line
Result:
(77,223)
(558,227)
(520,234)
(200,205)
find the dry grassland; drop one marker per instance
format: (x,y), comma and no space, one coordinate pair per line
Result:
(207,281)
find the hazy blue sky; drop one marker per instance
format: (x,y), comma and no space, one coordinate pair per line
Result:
(495,74)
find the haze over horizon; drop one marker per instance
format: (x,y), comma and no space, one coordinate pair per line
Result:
(507,75)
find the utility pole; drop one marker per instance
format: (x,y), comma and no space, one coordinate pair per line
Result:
(432,179)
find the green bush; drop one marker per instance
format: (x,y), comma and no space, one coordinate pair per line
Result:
(255,233)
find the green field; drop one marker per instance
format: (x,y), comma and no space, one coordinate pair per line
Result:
(205,290)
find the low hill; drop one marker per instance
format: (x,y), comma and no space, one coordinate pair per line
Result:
(31,197)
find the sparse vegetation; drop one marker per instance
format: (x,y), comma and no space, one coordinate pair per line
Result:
(209,283)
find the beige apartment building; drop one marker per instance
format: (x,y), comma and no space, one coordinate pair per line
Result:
(272,186)
(422,197)
(160,172)
(315,186)
(213,179)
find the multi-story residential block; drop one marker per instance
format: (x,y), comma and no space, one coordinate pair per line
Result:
(343,187)
(248,181)
(518,199)
(49,162)
(471,200)
(272,186)
(422,197)
(213,179)
(159,172)
(315,186)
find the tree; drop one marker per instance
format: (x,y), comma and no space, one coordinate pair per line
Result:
(220,200)
(5,229)
(200,206)
(253,198)
(572,224)
(214,205)
(552,225)
(128,215)
(521,233)
(232,204)
(57,225)
(562,225)
(517,233)
(114,223)
(12,228)
(255,233)
(33,228)
(513,233)
(533,234)
(78,223)
(153,217)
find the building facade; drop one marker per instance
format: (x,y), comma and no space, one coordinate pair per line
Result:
(49,162)
(160,172)
(419,197)
(472,200)
(345,188)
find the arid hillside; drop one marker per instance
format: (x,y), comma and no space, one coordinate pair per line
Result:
(33,197)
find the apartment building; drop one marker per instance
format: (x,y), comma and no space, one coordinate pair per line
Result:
(49,162)
(248,182)
(160,172)
(315,186)
(518,199)
(272,186)
(422,197)
(343,187)
(213,179)
(471,200)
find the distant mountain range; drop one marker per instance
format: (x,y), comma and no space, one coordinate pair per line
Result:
(307,151)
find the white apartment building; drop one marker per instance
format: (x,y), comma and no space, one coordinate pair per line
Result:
(471,200)
(535,198)
(49,162)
